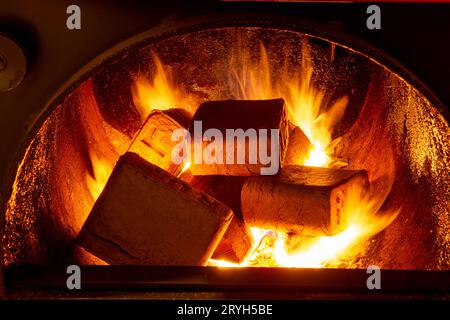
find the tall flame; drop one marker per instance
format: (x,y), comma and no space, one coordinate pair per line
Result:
(303,100)
(305,104)
(160,92)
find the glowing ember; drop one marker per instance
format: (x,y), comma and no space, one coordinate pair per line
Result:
(317,157)
(271,249)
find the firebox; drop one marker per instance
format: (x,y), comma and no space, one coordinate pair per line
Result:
(311,156)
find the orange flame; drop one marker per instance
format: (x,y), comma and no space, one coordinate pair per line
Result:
(303,100)
(308,109)
(159,93)
(101,170)
(186,166)
(305,103)
(270,248)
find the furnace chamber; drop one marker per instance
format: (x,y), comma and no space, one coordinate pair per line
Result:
(390,128)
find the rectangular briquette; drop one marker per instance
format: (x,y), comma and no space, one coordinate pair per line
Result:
(234,115)
(153,141)
(146,216)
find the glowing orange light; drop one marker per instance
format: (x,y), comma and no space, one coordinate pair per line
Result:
(186,166)
(160,92)
(101,172)
(308,109)
(324,251)
(305,103)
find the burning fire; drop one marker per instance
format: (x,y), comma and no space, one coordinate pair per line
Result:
(304,102)
(101,170)
(159,93)
(271,248)
(186,166)
(308,109)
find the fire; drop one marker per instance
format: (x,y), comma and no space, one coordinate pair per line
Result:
(305,104)
(251,80)
(315,115)
(317,156)
(270,248)
(303,100)
(159,93)
(185,168)
(364,222)
(101,170)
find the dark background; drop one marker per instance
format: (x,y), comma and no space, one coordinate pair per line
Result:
(415,34)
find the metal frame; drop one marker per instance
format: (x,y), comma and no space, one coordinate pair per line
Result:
(177,281)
